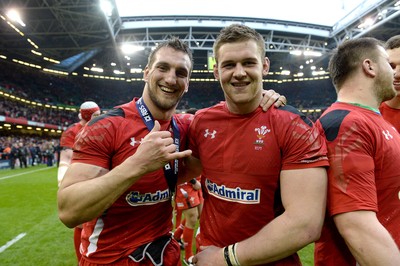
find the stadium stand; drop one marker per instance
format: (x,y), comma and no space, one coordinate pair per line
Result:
(40,150)
(33,85)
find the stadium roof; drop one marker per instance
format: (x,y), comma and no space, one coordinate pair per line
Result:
(320,12)
(72,36)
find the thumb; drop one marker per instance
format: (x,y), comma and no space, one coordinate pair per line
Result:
(156,126)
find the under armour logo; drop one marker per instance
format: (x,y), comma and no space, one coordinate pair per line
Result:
(387,134)
(134,142)
(207,133)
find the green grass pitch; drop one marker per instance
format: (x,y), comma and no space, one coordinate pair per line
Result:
(30,232)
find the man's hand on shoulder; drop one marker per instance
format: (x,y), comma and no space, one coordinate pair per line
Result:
(270,97)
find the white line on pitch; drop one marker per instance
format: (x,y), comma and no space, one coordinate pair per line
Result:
(12,241)
(33,171)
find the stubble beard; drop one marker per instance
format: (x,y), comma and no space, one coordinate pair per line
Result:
(386,91)
(163,104)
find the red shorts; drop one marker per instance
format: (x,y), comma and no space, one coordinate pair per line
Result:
(187,197)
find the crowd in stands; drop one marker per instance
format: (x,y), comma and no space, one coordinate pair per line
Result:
(38,86)
(27,151)
(202,94)
(15,109)
(35,85)
(302,95)
(308,94)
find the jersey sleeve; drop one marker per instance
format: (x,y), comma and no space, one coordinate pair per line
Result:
(351,173)
(95,144)
(301,143)
(68,136)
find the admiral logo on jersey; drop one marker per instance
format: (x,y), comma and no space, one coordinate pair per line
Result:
(134,198)
(237,194)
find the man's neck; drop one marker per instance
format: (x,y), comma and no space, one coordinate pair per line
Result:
(243,108)
(355,96)
(366,104)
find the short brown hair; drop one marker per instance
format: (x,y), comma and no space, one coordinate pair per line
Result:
(346,58)
(238,33)
(393,42)
(176,44)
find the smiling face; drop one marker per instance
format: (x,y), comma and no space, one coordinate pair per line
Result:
(167,79)
(240,71)
(394,59)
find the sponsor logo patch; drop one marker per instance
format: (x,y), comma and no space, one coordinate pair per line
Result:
(239,195)
(135,198)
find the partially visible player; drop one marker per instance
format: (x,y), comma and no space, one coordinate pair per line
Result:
(390,109)
(363,211)
(87,111)
(189,200)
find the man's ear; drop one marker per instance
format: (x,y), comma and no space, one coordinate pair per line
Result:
(266,65)
(215,70)
(145,73)
(368,68)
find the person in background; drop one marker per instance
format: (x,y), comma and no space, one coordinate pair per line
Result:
(32,153)
(87,111)
(14,155)
(6,151)
(263,173)
(390,109)
(57,151)
(48,152)
(39,158)
(189,202)
(23,154)
(362,225)
(125,166)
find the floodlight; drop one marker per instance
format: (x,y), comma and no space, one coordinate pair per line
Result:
(130,48)
(14,16)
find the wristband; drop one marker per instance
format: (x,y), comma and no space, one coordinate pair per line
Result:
(226,256)
(232,255)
